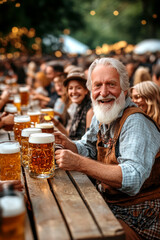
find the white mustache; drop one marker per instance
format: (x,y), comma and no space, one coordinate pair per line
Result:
(104,99)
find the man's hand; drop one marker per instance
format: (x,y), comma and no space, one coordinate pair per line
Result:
(67,160)
(62,139)
(7,120)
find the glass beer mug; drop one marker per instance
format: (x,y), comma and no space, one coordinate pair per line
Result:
(35,116)
(20,122)
(10,161)
(26,132)
(13,212)
(41,155)
(47,127)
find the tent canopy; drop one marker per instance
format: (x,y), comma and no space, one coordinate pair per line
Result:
(148,45)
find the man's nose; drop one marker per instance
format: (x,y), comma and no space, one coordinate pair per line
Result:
(104,91)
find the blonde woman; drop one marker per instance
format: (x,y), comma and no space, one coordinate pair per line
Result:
(147,96)
(141,74)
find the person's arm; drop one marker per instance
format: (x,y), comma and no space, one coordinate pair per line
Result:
(63,140)
(4,98)
(6,120)
(109,174)
(41,98)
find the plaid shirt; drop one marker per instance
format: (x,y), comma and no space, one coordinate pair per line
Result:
(139,142)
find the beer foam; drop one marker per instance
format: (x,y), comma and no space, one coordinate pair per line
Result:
(23,89)
(9,147)
(41,138)
(34,113)
(45,125)
(10,109)
(27,131)
(47,110)
(11,206)
(22,118)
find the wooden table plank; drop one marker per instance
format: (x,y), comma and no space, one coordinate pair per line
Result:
(48,220)
(107,222)
(80,221)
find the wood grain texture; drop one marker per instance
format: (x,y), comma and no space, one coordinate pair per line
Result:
(79,220)
(48,220)
(109,225)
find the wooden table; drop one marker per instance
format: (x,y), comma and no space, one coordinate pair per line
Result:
(67,207)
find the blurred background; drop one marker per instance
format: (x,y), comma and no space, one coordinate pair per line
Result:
(62,27)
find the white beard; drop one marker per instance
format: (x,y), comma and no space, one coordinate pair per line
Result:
(107,114)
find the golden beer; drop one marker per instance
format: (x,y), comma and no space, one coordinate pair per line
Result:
(35,116)
(47,127)
(20,122)
(24,144)
(13,217)
(10,161)
(24,95)
(17,103)
(41,155)
(10,109)
(48,113)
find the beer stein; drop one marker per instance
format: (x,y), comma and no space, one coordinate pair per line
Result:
(10,109)
(17,103)
(20,122)
(24,95)
(41,155)
(10,161)
(47,127)
(13,213)
(24,144)
(35,117)
(48,113)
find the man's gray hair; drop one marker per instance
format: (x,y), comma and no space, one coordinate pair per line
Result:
(121,69)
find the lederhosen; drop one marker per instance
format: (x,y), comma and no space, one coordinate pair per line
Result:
(150,190)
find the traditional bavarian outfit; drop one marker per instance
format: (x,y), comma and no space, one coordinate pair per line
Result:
(142,211)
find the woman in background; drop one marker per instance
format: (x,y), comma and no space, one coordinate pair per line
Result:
(78,94)
(147,96)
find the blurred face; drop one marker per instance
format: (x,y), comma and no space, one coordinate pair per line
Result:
(139,100)
(107,97)
(76,92)
(50,73)
(58,84)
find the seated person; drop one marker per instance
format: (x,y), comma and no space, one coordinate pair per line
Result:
(121,150)
(147,96)
(78,94)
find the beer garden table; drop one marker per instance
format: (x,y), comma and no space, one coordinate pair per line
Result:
(67,207)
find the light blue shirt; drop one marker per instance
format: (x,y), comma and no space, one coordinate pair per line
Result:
(139,142)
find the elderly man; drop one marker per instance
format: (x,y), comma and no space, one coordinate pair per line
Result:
(125,143)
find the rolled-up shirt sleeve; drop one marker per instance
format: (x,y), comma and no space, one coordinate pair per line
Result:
(139,142)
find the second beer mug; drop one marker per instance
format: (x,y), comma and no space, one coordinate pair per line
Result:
(10,162)
(20,122)
(24,144)
(41,155)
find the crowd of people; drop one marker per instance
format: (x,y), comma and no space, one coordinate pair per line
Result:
(107,112)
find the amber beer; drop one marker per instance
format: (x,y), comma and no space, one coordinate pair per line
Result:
(20,122)
(17,103)
(48,113)
(47,127)
(13,217)
(24,144)
(41,155)
(10,161)
(10,109)
(35,116)
(24,95)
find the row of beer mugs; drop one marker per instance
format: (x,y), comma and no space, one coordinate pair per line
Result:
(37,153)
